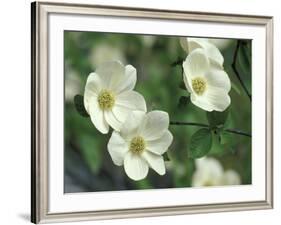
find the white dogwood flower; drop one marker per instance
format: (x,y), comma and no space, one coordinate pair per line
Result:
(209,172)
(109,95)
(213,53)
(207,83)
(142,140)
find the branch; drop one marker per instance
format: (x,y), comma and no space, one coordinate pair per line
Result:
(235,131)
(189,123)
(235,57)
(230,130)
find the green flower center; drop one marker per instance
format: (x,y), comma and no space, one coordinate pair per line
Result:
(137,145)
(199,85)
(106,100)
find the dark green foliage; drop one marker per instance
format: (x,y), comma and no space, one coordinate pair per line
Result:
(79,105)
(200,144)
(217,119)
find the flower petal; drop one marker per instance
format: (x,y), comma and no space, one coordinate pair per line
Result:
(184,44)
(209,164)
(112,120)
(156,162)
(97,116)
(92,88)
(211,50)
(231,177)
(209,172)
(161,145)
(131,100)
(121,112)
(135,166)
(111,73)
(154,125)
(196,64)
(214,99)
(187,83)
(128,81)
(130,127)
(218,78)
(117,148)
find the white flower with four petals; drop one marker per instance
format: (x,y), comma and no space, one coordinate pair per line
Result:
(207,82)
(109,95)
(141,142)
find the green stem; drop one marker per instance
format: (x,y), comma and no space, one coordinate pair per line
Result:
(230,130)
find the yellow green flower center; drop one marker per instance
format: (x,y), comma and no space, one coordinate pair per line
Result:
(199,85)
(106,100)
(137,145)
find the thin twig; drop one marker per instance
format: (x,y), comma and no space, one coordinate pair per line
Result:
(230,130)
(235,131)
(235,57)
(189,123)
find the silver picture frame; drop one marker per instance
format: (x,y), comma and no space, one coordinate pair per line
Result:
(40,106)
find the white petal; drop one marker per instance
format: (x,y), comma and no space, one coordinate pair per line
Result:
(184,44)
(128,81)
(211,50)
(131,125)
(92,88)
(218,78)
(214,99)
(156,162)
(154,125)
(111,73)
(196,64)
(117,148)
(218,97)
(97,116)
(209,172)
(231,177)
(131,100)
(135,166)
(112,120)
(161,145)
(201,178)
(221,43)
(187,83)
(209,164)
(121,112)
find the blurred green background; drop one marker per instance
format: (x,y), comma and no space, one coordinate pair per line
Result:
(88,166)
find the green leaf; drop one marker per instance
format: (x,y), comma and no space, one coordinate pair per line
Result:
(216,119)
(217,148)
(226,139)
(183,101)
(244,58)
(223,142)
(235,88)
(201,143)
(79,105)
(90,150)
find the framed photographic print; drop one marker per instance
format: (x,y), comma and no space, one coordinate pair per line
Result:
(146,112)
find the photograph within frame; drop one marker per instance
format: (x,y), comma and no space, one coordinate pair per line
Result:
(205,146)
